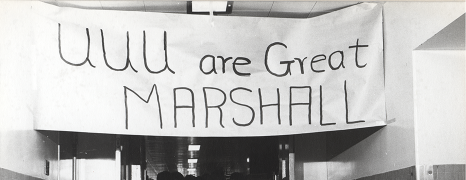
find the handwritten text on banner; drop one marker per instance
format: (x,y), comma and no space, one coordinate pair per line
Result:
(187,75)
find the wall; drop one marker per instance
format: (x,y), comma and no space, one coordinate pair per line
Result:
(95,155)
(310,156)
(439,102)
(439,108)
(23,151)
(406,26)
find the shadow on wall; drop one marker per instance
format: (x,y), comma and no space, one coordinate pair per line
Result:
(339,141)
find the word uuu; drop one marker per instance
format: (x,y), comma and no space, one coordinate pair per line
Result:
(128,61)
(233,98)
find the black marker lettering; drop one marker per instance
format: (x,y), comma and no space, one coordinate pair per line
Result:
(184,106)
(341,62)
(216,106)
(154,87)
(357,46)
(241,63)
(128,62)
(164,49)
(213,64)
(321,112)
(265,105)
(281,62)
(346,107)
(224,61)
(88,47)
(252,110)
(315,61)
(309,103)
(301,66)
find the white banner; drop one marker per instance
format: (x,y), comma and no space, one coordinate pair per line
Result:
(191,75)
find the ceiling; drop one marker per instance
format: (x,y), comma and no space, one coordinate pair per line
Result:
(282,9)
(448,38)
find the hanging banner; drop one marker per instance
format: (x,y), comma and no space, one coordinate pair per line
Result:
(163,74)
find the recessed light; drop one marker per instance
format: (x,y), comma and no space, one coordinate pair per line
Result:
(204,7)
(193,147)
(192,160)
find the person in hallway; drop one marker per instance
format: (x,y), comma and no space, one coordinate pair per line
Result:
(237,176)
(165,175)
(189,177)
(176,176)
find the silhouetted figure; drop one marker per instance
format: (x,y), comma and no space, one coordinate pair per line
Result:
(237,176)
(206,177)
(177,176)
(218,175)
(165,175)
(189,177)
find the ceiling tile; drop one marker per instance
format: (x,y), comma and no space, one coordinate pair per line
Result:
(123,5)
(80,4)
(296,7)
(166,6)
(252,6)
(250,13)
(332,6)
